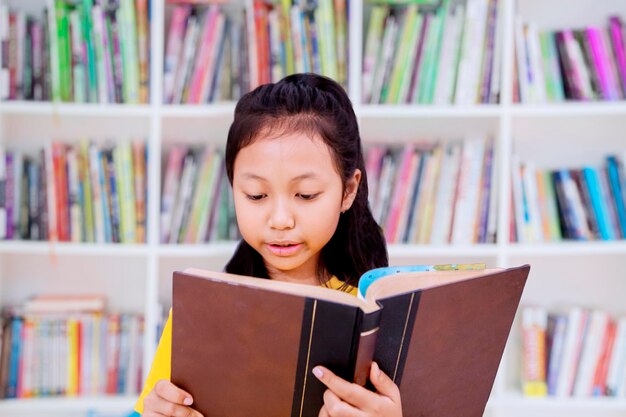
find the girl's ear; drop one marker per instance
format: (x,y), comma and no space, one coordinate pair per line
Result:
(352,185)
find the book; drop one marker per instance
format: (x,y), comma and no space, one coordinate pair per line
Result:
(439,334)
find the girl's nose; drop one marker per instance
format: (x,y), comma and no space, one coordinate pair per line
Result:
(281,217)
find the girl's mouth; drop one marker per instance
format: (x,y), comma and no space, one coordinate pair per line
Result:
(284,249)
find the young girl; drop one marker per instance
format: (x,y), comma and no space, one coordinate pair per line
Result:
(295,163)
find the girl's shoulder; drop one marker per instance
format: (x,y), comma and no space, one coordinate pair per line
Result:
(337,284)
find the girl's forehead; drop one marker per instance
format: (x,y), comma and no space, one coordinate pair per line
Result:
(293,153)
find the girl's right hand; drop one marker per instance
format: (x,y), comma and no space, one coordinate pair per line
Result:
(166,399)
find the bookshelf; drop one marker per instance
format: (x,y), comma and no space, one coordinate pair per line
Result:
(137,277)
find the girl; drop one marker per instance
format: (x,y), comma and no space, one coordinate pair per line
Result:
(295,163)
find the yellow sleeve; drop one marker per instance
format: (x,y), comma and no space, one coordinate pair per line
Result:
(161,365)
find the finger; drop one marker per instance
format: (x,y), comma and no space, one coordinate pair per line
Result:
(351,393)
(323,412)
(337,408)
(383,384)
(170,392)
(160,406)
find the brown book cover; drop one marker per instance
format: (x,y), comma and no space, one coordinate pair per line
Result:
(245,346)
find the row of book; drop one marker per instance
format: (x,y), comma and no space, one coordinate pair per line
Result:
(570,64)
(587,203)
(434,193)
(580,353)
(196,200)
(50,346)
(416,54)
(74,193)
(84,51)
(218,53)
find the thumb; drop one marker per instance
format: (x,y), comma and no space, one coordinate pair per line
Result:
(383,384)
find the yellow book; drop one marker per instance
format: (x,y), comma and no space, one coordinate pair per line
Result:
(73,355)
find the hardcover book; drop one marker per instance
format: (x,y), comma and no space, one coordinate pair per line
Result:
(245,346)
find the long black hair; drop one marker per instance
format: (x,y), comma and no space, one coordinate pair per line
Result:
(314,105)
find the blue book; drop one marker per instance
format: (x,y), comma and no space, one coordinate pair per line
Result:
(16,342)
(599,208)
(617,191)
(375,274)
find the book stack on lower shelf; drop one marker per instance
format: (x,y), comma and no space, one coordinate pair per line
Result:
(587,203)
(75,193)
(196,202)
(435,193)
(69,346)
(580,353)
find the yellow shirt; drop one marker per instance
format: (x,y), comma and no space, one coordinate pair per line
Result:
(161,364)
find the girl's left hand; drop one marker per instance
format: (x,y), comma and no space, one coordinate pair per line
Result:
(345,399)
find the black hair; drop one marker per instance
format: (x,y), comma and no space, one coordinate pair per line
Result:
(314,105)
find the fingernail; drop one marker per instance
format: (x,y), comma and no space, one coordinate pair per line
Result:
(188,401)
(318,372)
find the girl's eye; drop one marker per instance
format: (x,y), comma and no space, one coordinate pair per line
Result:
(307,196)
(255,197)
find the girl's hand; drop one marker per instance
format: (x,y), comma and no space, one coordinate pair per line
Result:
(345,399)
(166,399)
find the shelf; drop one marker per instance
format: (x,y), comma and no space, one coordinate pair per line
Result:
(203,110)
(570,109)
(74,109)
(67,248)
(594,405)
(221,249)
(103,404)
(424,111)
(568,248)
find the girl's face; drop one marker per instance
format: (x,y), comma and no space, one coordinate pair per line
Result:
(288,198)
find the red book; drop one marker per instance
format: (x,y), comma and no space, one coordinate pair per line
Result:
(60,183)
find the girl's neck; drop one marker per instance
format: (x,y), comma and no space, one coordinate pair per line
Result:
(298,277)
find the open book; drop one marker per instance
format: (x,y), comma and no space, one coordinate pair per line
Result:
(245,346)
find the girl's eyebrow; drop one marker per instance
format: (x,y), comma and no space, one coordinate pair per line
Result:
(304,176)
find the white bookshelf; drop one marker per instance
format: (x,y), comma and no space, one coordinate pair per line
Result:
(137,278)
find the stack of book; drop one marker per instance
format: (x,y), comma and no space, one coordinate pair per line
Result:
(579,353)
(570,64)
(417,54)
(69,346)
(71,193)
(215,53)
(196,201)
(78,51)
(580,204)
(434,193)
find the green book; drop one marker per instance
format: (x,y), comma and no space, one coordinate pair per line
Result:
(90,63)
(85,177)
(401,61)
(428,89)
(64,51)
(429,66)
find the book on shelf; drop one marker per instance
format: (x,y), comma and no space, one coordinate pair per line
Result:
(196,201)
(83,52)
(587,63)
(420,54)
(218,52)
(578,204)
(577,353)
(434,192)
(68,345)
(439,332)
(75,193)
